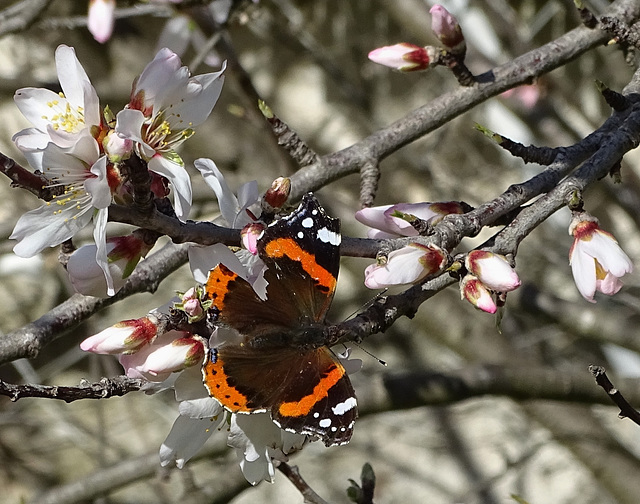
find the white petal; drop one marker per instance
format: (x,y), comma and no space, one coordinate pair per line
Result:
(583,267)
(186,438)
(100,239)
(71,75)
(129,124)
(33,103)
(180,182)
(608,253)
(403,267)
(206,407)
(193,103)
(161,76)
(41,228)
(31,139)
(215,180)
(610,285)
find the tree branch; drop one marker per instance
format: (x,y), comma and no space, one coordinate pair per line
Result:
(105,388)
(33,337)
(443,109)
(626,410)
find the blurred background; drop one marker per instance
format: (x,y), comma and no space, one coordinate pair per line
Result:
(308,61)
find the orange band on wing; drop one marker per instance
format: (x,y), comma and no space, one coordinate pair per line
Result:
(321,390)
(215,379)
(288,247)
(217,284)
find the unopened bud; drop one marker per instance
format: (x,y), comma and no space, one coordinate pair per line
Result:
(447,29)
(404,57)
(277,194)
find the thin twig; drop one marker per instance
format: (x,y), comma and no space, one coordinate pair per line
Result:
(626,410)
(105,388)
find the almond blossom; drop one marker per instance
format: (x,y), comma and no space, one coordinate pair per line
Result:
(170,352)
(166,104)
(63,145)
(597,261)
(406,266)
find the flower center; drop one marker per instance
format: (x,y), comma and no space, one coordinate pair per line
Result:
(65,118)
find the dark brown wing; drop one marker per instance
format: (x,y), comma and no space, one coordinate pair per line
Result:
(306,392)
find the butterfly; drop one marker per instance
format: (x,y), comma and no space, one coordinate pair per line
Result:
(280,363)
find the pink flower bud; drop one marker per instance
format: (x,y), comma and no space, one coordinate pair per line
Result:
(387,223)
(597,261)
(405,266)
(447,29)
(277,194)
(117,148)
(250,235)
(493,270)
(474,291)
(124,337)
(404,57)
(101,19)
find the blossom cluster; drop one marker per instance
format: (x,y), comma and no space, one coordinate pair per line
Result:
(81,150)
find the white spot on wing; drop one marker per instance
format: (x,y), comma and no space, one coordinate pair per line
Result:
(300,235)
(324,423)
(343,407)
(307,223)
(326,236)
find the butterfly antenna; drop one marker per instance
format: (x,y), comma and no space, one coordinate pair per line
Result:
(380,361)
(368,303)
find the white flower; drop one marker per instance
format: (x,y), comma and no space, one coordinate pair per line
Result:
(86,196)
(236,212)
(597,261)
(405,266)
(62,145)
(58,118)
(165,105)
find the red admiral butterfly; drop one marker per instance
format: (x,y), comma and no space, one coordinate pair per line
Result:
(282,365)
